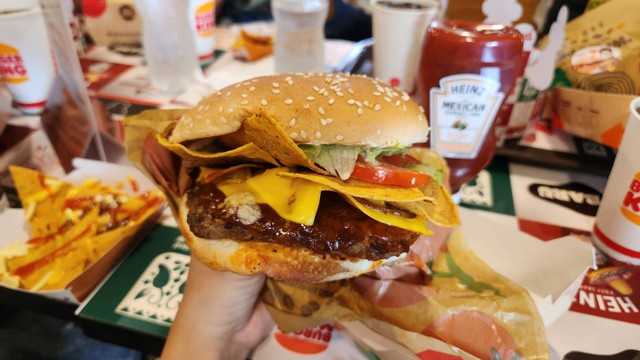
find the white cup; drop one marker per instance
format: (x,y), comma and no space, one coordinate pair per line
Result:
(616,229)
(202,17)
(398,34)
(26,59)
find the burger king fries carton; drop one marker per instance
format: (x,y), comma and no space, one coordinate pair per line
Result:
(61,251)
(427,300)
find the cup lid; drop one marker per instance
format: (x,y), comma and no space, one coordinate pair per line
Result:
(13,5)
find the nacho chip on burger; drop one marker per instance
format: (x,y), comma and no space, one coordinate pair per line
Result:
(307,177)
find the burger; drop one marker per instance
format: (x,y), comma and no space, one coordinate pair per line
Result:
(307,177)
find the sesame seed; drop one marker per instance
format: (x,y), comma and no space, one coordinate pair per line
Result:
(376,93)
(230,110)
(323,91)
(328,120)
(228,93)
(323,121)
(224,120)
(293,135)
(288,78)
(244,102)
(351,101)
(263,102)
(331,101)
(378,131)
(292,122)
(366,103)
(359,103)
(275,91)
(413,181)
(237,86)
(377,107)
(310,98)
(405,96)
(339,93)
(359,111)
(303,133)
(321,110)
(275,85)
(290,82)
(339,137)
(350,90)
(288,101)
(252,88)
(219,93)
(245,83)
(318,135)
(404,107)
(398,103)
(421,108)
(315,88)
(306,106)
(244,96)
(200,107)
(387,99)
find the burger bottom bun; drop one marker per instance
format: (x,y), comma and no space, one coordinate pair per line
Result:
(277,261)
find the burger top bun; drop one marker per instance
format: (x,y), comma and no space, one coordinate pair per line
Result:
(275,260)
(313,109)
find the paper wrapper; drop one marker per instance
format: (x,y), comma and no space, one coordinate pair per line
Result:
(457,298)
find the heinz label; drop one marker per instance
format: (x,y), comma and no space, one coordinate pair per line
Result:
(610,292)
(12,67)
(462,110)
(205,19)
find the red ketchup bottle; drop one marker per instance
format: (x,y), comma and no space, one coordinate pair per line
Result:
(466,70)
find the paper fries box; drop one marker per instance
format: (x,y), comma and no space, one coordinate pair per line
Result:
(27,146)
(596,116)
(80,287)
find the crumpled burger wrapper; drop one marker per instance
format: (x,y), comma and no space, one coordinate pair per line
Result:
(251,47)
(440,290)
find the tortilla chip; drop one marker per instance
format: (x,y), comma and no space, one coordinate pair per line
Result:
(416,224)
(84,228)
(246,153)
(441,211)
(362,189)
(264,131)
(41,196)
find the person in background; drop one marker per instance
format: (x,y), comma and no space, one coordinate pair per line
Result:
(344,21)
(220,316)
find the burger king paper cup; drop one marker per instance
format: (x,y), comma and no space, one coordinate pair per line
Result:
(398,33)
(202,17)
(26,61)
(616,231)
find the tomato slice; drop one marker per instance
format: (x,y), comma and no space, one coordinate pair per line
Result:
(388,174)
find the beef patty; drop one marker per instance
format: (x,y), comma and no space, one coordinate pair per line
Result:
(339,229)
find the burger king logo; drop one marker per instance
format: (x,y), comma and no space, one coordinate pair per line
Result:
(630,207)
(205,19)
(308,341)
(12,67)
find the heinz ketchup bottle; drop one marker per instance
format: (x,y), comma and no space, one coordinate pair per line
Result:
(465,72)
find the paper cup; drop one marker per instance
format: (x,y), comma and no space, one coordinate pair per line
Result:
(616,231)
(26,60)
(202,18)
(398,35)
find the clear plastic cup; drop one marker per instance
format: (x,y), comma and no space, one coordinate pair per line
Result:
(170,51)
(299,44)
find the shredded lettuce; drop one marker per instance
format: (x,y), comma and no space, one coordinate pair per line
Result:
(341,159)
(337,159)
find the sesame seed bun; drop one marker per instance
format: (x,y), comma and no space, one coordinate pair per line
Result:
(313,109)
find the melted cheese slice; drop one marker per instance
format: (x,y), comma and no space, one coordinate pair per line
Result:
(297,199)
